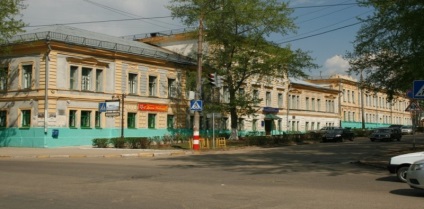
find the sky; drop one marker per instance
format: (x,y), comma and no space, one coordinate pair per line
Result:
(312,17)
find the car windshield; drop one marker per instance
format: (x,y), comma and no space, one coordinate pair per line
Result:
(335,131)
(385,130)
(406,127)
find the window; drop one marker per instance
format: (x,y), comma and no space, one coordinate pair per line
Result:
(132,83)
(3,78)
(353,97)
(26,118)
(280,100)
(226,94)
(170,121)
(151,121)
(152,86)
(318,104)
(256,95)
(131,118)
(73,78)
(85,79)
(85,119)
(254,124)
(26,76)
(3,119)
(313,104)
(72,118)
(97,120)
(172,88)
(268,99)
(307,103)
(99,80)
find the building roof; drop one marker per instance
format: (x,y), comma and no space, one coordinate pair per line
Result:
(91,39)
(306,83)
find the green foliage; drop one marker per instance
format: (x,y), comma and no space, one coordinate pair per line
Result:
(118,142)
(389,46)
(138,142)
(100,142)
(237,32)
(9,24)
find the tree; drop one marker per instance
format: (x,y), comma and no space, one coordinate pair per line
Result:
(237,32)
(9,25)
(389,47)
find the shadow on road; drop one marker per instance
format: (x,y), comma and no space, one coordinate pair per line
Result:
(408,192)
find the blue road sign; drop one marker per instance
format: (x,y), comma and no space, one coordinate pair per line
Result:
(196,105)
(102,107)
(418,91)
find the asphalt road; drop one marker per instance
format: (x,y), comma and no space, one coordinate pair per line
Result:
(318,176)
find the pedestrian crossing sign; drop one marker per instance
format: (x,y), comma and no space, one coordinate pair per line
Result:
(196,105)
(418,92)
(102,107)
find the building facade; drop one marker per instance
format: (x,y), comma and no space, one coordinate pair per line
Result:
(54,79)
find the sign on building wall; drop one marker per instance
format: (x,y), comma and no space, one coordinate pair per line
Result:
(152,107)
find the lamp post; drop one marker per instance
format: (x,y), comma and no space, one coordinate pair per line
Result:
(121,99)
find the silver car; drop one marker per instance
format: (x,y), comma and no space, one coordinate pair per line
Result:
(407,130)
(415,175)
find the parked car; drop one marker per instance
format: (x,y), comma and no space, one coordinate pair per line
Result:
(415,177)
(399,164)
(323,130)
(338,135)
(386,134)
(407,130)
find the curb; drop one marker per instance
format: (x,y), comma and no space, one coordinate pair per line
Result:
(127,155)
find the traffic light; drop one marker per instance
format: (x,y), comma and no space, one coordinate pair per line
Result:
(212,79)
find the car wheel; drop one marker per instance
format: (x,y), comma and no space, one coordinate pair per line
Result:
(372,140)
(401,173)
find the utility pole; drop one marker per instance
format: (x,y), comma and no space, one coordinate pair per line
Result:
(361,85)
(196,125)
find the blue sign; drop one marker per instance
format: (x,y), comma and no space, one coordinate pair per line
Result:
(418,91)
(196,105)
(102,107)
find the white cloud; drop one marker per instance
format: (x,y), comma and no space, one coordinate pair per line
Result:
(336,65)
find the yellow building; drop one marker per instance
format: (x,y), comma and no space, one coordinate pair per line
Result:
(56,82)
(364,107)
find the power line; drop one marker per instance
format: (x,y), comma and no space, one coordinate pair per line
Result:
(317,34)
(325,5)
(102,21)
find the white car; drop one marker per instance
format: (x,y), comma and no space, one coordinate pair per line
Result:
(415,175)
(400,164)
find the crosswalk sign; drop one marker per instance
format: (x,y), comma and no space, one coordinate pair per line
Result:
(418,92)
(196,105)
(102,107)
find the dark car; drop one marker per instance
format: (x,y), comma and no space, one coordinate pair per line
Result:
(338,135)
(385,134)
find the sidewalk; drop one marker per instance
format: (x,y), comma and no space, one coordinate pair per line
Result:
(85,152)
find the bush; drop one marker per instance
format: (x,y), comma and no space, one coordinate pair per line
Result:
(100,142)
(118,142)
(138,142)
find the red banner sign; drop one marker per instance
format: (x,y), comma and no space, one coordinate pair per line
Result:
(153,107)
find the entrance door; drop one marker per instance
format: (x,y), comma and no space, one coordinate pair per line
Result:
(268,127)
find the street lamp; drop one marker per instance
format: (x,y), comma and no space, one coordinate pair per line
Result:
(121,98)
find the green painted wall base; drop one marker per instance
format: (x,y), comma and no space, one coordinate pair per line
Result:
(36,137)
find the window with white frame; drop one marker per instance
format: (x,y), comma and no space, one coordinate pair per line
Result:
(86,79)
(152,85)
(132,83)
(254,124)
(99,80)
(307,103)
(256,95)
(26,76)
(280,100)
(73,78)
(85,119)
(268,99)
(313,104)
(172,88)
